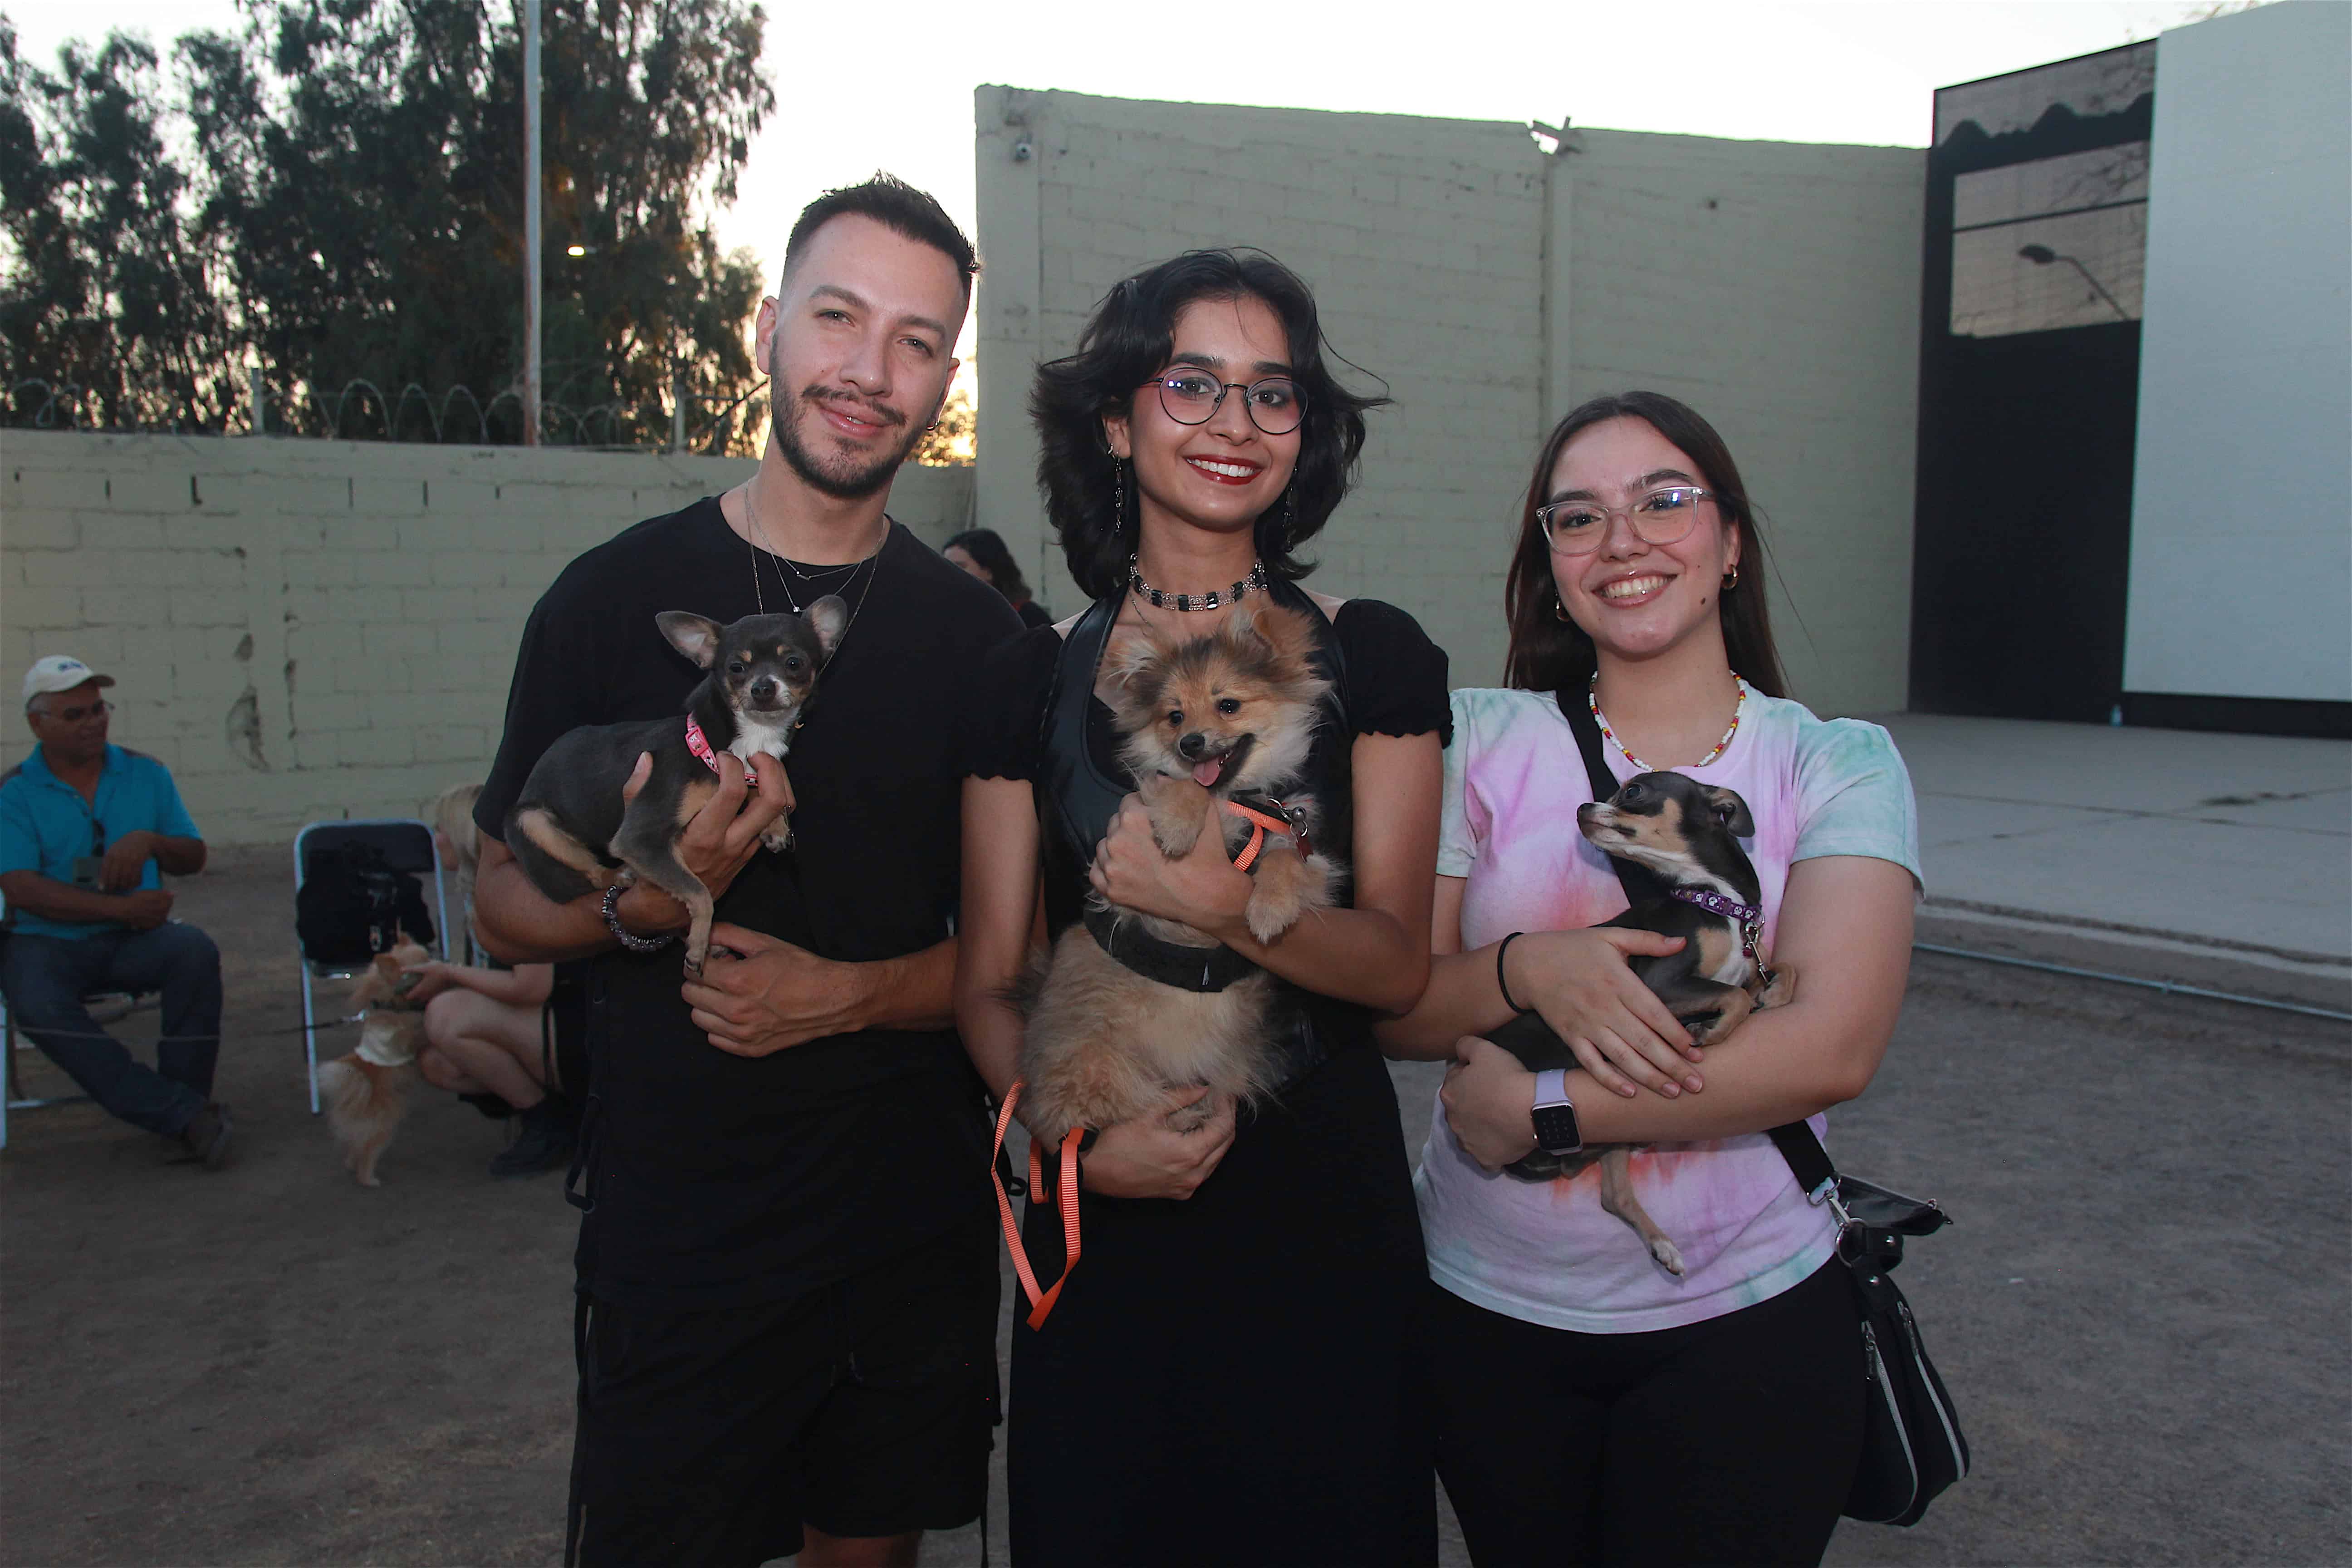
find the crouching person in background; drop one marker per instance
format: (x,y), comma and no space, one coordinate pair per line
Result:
(85,829)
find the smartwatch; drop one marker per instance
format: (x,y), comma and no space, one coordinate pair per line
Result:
(1555,1118)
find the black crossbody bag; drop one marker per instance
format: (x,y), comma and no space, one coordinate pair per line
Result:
(1912,1447)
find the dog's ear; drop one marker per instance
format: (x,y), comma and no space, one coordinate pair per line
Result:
(1729,810)
(828,617)
(697,636)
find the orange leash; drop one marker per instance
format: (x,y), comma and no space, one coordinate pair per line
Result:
(1041,1304)
(1260,826)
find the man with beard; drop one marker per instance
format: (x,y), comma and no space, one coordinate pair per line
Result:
(786,1267)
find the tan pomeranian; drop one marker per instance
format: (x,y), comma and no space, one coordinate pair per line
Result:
(1228,715)
(365,1093)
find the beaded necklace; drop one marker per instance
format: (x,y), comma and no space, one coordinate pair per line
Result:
(1593,700)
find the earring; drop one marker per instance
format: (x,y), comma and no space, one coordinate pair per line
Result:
(1118,494)
(1290,511)
(1731,579)
(1558,609)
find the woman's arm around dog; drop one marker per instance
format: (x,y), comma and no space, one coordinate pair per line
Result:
(1003,920)
(1577,981)
(1845,928)
(1376,953)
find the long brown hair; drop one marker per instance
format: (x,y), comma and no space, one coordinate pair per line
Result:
(1552,654)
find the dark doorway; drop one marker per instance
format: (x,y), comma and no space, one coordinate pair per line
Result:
(2037,191)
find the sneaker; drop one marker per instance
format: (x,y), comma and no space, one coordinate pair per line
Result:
(206,1135)
(543,1143)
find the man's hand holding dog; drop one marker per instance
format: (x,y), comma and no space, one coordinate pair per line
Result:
(717,844)
(773,996)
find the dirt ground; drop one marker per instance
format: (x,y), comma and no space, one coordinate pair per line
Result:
(2141,1312)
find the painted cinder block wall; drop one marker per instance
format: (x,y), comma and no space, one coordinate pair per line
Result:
(315,629)
(1494,284)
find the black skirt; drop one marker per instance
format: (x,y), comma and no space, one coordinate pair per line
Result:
(1235,1379)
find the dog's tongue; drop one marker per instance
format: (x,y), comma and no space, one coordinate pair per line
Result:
(1205,773)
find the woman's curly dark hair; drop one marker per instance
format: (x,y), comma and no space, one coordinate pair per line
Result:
(1129,342)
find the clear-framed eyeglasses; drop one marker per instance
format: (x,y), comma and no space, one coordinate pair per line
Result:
(1276,404)
(1662,516)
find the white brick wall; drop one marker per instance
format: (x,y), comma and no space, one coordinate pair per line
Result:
(312,629)
(1774,287)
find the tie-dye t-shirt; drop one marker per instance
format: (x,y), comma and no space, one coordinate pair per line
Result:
(1545,1252)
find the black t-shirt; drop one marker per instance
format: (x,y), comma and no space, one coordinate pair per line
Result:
(717,1180)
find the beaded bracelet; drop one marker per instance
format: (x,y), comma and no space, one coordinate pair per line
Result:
(1501,985)
(630,939)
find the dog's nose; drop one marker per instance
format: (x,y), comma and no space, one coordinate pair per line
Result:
(764,688)
(1192,745)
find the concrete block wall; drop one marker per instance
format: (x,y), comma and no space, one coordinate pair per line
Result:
(314,630)
(1774,287)
(1422,240)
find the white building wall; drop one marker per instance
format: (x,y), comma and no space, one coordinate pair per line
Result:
(311,629)
(1774,287)
(2241,499)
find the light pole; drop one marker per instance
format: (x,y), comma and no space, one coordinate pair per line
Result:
(530,182)
(2043,256)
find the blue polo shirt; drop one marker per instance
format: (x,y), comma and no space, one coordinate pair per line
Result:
(45,825)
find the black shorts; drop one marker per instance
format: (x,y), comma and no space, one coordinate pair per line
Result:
(863,1408)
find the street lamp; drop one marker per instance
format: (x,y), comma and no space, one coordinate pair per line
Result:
(2043,256)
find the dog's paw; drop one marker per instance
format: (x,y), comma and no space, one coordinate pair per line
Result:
(1179,810)
(777,837)
(1669,1257)
(1272,911)
(1782,991)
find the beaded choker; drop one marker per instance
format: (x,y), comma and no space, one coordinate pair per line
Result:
(1211,599)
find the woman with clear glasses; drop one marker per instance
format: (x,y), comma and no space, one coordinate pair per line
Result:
(1592,1406)
(1225,1377)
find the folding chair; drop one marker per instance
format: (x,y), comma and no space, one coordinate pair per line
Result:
(408,847)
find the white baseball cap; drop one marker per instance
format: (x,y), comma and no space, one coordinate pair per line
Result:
(59,672)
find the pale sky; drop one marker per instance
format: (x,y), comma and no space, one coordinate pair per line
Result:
(890,86)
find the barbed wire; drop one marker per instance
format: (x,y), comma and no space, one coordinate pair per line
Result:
(361,410)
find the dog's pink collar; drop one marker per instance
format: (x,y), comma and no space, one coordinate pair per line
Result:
(699,744)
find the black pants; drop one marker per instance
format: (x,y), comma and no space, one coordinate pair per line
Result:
(1730,1441)
(864,1408)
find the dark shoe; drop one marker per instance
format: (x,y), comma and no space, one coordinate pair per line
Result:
(543,1143)
(206,1135)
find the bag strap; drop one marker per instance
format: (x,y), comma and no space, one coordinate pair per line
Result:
(1795,1140)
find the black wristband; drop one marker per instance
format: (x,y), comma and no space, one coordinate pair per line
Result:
(1501,985)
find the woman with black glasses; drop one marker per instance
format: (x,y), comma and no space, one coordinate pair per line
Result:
(1599,1400)
(1224,1376)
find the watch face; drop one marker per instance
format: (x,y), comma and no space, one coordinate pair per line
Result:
(1555,1130)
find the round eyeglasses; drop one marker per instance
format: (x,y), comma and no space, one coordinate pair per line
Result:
(1662,516)
(1276,404)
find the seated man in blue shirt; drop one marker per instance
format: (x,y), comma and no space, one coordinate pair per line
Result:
(84,827)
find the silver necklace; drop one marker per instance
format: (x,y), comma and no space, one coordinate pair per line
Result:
(1212,599)
(751,517)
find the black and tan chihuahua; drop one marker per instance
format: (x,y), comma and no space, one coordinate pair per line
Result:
(570,828)
(1686,835)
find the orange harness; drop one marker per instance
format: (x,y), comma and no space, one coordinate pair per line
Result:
(1040,1302)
